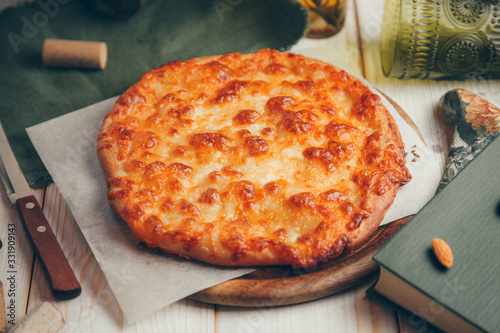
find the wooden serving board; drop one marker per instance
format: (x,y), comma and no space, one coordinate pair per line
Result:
(274,286)
(283,285)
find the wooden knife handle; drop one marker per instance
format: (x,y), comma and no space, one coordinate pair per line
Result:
(62,280)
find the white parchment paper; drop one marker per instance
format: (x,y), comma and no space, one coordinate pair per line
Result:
(143,282)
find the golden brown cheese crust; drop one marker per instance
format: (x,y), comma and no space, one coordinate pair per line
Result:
(251,159)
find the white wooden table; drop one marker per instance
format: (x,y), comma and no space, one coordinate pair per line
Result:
(96,310)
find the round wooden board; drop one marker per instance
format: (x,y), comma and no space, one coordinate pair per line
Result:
(275,286)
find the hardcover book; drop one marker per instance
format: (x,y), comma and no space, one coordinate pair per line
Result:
(465,214)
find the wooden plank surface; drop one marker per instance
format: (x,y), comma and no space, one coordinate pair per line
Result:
(96,310)
(349,311)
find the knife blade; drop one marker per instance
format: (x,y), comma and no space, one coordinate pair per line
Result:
(62,280)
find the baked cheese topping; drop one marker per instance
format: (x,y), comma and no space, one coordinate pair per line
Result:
(259,159)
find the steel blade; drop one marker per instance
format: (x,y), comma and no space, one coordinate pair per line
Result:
(10,173)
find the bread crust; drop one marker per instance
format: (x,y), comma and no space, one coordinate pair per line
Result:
(251,159)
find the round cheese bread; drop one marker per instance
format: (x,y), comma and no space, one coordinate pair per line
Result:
(251,159)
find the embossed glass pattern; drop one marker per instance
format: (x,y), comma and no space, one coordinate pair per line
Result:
(442,39)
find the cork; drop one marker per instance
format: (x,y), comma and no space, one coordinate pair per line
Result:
(73,53)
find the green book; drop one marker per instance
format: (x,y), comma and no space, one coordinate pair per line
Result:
(465,214)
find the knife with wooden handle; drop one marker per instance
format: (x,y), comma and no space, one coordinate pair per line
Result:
(61,278)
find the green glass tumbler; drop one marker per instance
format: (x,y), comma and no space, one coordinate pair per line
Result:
(441,39)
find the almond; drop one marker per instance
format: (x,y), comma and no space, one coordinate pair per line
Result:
(443,252)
